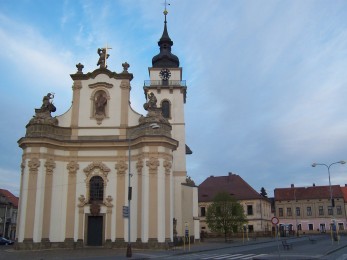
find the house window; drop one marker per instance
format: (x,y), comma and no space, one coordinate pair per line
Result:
(297,211)
(322,228)
(338,210)
(280,212)
(320,211)
(289,212)
(341,227)
(96,189)
(249,209)
(165,109)
(330,210)
(299,227)
(309,211)
(250,228)
(310,226)
(203,211)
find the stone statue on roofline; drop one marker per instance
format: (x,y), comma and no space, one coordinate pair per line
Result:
(154,113)
(103,57)
(43,114)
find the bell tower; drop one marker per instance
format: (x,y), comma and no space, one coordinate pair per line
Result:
(170,90)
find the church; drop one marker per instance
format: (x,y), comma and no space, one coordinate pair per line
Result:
(102,174)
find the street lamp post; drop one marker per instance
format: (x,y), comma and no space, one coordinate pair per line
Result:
(333,227)
(296,214)
(153,126)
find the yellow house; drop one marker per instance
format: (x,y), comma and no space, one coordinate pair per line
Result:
(256,207)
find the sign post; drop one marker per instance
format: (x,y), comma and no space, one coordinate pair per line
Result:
(186,234)
(275,222)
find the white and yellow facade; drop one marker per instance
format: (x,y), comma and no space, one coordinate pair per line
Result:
(61,155)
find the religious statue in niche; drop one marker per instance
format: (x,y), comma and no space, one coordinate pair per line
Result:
(100,102)
(103,57)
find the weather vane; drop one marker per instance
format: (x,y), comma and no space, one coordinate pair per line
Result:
(165,11)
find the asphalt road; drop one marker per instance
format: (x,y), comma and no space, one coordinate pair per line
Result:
(262,248)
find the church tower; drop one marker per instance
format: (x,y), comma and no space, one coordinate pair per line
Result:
(102,174)
(167,84)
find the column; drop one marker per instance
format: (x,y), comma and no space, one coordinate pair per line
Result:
(72,168)
(47,203)
(34,165)
(153,164)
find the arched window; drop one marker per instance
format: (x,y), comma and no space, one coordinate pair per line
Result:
(96,189)
(165,109)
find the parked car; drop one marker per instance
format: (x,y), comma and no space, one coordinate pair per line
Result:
(4,241)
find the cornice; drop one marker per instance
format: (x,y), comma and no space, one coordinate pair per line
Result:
(110,74)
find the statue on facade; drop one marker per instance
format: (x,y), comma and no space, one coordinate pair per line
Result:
(151,103)
(47,103)
(100,105)
(103,57)
(43,114)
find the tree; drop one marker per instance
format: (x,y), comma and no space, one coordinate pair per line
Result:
(225,214)
(263,192)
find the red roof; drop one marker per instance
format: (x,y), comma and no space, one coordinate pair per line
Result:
(10,197)
(305,193)
(233,184)
(344,192)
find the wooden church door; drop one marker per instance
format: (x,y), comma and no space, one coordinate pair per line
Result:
(95,226)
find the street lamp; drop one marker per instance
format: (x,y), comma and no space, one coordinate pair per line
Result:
(296,214)
(331,192)
(153,126)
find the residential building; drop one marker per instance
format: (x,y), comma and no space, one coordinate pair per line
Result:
(256,207)
(8,214)
(309,209)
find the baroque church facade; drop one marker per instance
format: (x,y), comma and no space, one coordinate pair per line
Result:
(102,174)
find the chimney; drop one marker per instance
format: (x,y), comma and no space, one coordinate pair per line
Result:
(292,185)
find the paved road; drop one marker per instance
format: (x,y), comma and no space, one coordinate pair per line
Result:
(262,248)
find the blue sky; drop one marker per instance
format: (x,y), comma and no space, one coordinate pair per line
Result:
(267,80)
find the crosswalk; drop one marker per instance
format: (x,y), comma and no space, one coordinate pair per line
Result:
(220,256)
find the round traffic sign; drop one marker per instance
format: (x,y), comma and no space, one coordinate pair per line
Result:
(274,220)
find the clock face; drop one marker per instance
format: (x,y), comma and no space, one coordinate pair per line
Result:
(165,74)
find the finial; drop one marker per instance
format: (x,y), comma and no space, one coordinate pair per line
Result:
(165,11)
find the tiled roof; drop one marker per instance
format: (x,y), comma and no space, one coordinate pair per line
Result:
(305,193)
(233,184)
(344,192)
(10,197)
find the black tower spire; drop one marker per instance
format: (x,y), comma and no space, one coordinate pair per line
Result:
(165,58)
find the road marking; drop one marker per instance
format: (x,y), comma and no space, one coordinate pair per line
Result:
(254,256)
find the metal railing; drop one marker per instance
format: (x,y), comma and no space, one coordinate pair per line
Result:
(174,83)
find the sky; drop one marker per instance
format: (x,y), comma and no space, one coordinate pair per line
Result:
(267,80)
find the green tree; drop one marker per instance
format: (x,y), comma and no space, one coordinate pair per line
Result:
(263,192)
(225,214)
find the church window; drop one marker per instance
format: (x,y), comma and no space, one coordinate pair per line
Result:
(165,109)
(96,189)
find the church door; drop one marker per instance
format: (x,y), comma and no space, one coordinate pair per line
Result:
(95,226)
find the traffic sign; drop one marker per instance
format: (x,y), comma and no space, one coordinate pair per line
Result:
(275,220)
(125,211)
